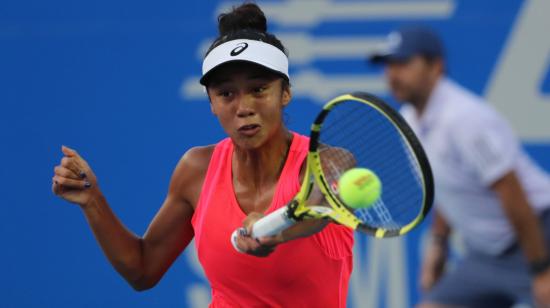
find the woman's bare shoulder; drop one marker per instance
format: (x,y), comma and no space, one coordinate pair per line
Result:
(190,173)
(198,157)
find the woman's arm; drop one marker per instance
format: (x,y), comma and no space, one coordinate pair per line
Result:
(142,261)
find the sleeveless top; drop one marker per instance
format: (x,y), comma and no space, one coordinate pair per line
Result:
(306,272)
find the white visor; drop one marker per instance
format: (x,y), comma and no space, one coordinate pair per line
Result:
(252,51)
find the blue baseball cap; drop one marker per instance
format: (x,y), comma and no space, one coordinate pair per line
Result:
(403,44)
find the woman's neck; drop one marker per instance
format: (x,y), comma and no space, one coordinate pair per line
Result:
(262,166)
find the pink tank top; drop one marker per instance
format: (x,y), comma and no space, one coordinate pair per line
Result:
(307,272)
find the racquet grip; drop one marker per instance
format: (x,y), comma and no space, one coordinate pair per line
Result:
(272,224)
(269,225)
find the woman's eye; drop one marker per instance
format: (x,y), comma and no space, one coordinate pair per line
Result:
(224,93)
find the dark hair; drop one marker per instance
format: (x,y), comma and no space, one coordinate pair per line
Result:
(246,21)
(245,16)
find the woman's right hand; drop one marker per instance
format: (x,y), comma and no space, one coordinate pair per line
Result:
(261,247)
(74,180)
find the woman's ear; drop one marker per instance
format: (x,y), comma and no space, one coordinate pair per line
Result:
(212,109)
(287,96)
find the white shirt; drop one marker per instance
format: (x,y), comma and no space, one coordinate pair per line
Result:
(470,146)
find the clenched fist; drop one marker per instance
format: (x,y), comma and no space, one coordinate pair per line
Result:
(261,247)
(73,179)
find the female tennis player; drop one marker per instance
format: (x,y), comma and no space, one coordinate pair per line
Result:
(218,188)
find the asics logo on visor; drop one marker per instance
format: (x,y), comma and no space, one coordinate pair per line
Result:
(240,48)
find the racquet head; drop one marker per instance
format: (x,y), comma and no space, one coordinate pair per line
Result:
(360,130)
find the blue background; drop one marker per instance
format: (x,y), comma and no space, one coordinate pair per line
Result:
(104,77)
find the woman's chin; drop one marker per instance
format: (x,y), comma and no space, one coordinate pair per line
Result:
(248,142)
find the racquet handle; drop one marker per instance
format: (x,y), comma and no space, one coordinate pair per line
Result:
(269,225)
(272,224)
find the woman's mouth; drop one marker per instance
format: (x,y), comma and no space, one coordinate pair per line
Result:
(249,129)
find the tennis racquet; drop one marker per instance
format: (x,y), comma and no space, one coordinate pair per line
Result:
(351,131)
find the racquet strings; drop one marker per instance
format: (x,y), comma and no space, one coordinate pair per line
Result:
(376,143)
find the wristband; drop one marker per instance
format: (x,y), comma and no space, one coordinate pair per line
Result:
(538,267)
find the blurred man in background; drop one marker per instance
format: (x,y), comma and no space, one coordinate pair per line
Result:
(487,188)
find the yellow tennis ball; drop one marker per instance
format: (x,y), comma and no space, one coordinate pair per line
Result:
(359,187)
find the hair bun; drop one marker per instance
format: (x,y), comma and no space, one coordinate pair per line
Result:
(245,16)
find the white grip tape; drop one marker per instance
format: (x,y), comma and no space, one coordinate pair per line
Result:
(272,224)
(269,225)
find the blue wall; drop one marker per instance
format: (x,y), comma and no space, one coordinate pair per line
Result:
(115,80)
